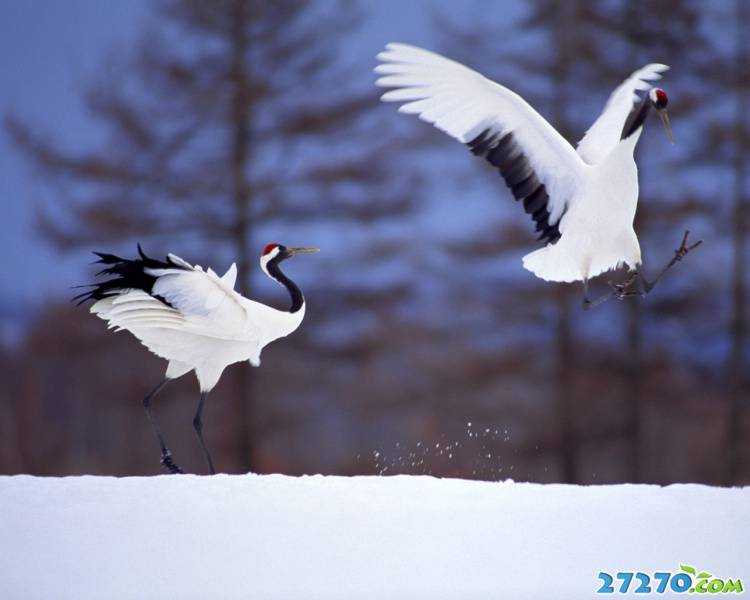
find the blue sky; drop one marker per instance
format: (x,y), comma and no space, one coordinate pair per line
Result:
(48,51)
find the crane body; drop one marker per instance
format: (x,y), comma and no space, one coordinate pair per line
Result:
(583,200)
(193,318)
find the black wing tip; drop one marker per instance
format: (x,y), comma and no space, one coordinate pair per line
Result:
(128,274)
(501,151)
(83,297)
(105,258)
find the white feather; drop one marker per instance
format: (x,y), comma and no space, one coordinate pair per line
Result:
(593,192)
(230,277)
(604,135)
(463,103)
(196,320)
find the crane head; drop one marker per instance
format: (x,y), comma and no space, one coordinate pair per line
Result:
(659,100)
(274,250)
(280,252)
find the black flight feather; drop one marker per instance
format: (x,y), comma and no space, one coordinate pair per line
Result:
(504,153)
(129,274)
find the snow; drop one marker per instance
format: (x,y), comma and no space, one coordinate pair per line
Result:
(273,536)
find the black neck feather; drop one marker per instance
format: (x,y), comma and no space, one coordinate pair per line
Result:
(636,118)
(297,299)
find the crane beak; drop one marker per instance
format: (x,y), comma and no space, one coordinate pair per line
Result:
(293,251)
(665,121)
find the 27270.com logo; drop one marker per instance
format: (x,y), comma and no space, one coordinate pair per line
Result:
(687,579)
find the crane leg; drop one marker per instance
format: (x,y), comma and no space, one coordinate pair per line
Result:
(618,290)
(679,254)
(621,290)
(198,426)
(166,454)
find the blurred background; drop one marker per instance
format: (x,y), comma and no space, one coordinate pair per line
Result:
(209,129)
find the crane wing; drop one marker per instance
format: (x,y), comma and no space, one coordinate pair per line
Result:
(137,308)
(146,293)
(208,302)
(536,162)
(606,132)
(166,331)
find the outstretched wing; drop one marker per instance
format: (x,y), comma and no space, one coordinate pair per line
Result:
(146,293)
(607,130)
(536,162)
(201,295)
(166,331)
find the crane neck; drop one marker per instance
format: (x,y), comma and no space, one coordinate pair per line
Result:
(636,118)
(298,300)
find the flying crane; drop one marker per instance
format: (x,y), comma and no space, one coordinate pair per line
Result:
(582,201)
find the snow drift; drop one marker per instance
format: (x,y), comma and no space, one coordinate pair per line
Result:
(409,537)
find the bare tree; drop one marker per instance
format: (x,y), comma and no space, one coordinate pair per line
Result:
(722,143)
(668,31)
(566,41)
(738,324)
(582,70)
(214,134)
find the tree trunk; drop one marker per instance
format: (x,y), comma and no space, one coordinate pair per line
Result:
(632,390)
(241,196)
(738,325)
(564,341)
(565,385)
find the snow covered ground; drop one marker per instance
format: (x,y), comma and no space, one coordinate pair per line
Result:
(354,537)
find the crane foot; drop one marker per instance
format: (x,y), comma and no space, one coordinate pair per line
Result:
(169,464)
(683,250)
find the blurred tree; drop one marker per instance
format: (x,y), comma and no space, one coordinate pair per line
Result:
(564,30)
(232,117)
(723,143)
(666,31)
(590,47)
(565,34)
(726,144)
(740,132)
(406,351)
(584,36)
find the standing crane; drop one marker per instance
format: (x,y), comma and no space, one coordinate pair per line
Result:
(583,201)
(193,318)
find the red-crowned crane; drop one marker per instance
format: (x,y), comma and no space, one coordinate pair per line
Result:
(193,318)
(583,202)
